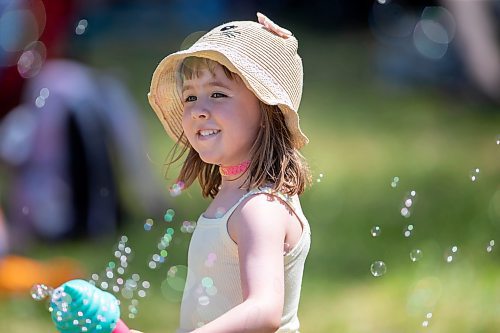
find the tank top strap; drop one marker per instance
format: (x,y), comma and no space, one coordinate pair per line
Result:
(258,190)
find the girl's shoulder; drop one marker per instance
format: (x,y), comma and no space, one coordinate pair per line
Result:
(265,211)
(268,199)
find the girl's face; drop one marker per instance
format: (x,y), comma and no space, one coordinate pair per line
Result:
(221,117)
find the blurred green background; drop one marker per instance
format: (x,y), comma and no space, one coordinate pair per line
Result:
(365,129)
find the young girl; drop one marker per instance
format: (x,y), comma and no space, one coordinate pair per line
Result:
(231,102)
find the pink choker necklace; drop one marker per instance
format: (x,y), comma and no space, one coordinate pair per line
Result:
(234,170)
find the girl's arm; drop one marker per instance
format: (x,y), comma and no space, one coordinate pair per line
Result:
(259,226)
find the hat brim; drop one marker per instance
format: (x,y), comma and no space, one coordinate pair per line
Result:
(165,99)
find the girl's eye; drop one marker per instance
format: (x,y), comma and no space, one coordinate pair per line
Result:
(218,95)
(190,99)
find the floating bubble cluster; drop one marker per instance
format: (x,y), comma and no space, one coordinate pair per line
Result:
(378,268)
(163,243)
(205,290)
(408,202)
(40,292)
(114,279)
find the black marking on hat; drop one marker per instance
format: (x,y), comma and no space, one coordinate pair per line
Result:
(228,31)
(228,27)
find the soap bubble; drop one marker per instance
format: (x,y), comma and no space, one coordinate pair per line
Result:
(173,286)
(44,93)
(176,189)
(31,60)
(408,230)
(207,282)
(450,253)
(378,268)
(376,231)
(286,248)
(220,211)
(148,224)
(176,277)
(428,317)
(489,247)
(211,258)
(394,182)
(416,255)
(188,226)
(204,300)
(318,180)
(169,215)
(191,39)
(474,174)
(81,27)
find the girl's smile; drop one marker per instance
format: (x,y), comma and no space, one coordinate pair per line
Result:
(221,117)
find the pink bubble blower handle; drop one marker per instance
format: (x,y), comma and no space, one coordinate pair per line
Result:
(121,327)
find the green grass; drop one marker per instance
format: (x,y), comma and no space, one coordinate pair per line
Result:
(363,133)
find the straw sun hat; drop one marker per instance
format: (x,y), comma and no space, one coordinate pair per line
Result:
(263,54)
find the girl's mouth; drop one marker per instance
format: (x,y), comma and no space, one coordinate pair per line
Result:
(207,133)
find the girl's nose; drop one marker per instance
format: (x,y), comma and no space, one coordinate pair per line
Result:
(200,112)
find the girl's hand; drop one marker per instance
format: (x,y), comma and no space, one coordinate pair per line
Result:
(134,331)
(273,27)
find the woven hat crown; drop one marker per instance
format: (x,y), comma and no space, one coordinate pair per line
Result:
(267,63)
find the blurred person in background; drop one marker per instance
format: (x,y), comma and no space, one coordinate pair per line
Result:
(452,44)
(477,39)
(68,132)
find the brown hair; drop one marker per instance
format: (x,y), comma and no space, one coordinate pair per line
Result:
(274,161)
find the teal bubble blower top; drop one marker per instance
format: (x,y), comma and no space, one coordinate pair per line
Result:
(78,306)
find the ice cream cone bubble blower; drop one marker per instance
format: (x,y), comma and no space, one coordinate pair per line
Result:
(78,306)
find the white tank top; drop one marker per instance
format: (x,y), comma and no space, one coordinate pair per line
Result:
(213,284)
